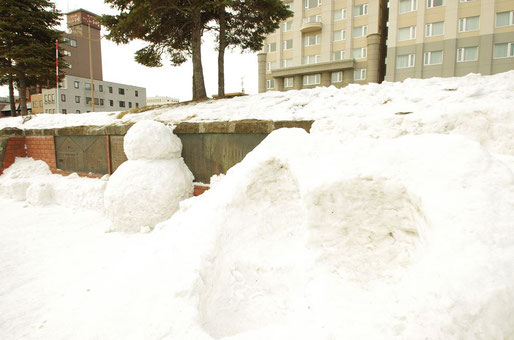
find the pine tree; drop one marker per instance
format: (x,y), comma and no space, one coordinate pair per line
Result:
(173,28)
(27,44)
(245,24)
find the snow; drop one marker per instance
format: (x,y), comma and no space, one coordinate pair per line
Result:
(147,188)
(149,139)
(375,225)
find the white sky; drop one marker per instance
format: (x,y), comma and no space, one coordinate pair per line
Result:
(119,65)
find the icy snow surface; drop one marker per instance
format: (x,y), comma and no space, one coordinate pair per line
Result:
(375,225)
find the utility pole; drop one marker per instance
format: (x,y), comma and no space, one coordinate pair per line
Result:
(57,74)
(91,71)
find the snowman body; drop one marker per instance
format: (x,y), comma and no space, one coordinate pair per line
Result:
(147,188)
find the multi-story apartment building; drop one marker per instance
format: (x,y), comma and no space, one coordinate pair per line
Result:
(75,96)
(445,38)
(83,88)
(327,42)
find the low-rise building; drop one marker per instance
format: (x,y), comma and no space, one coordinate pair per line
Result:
(76,96)
(160,100)
(37,103)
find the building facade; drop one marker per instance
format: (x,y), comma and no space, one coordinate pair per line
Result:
(82,46)
(75,96)
(160,100)
(327,42)
(446,38)
(83,88)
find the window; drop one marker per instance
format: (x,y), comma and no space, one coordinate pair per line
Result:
(337,77)
(137,104)
(408,6)
(311,40)
(66,53)
(288,82)
(77,99)
(78,111)
(434,29)
(338,55)
(359,74)
(407,33)
(101,88)
(76,84)
(111,102)
(504,50)
(121,103)
(311,59)
(73,43)
(469,24)
(121,91)
(270,84)
(405,61)
(130,105)
(88,100)
(360,31)
(272,47)
(110,89)
(287,62)
(435,3)
(505,19)
(466,0)
(64,111)
(312,3)
(88,86)
(271,65)
(63,97)
(34,104)
(287,26)
(312,79)
(467,54)
(101,102)
(287,44)
(340,14)
(360,10)
(433,58)
(339,35)
(312,18)
(137,93)
(359,53)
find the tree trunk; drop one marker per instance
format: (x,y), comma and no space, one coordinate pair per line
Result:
(11,96)
(22,93)
(196,35)
(221,52)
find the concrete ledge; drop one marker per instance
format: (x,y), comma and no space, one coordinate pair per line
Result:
(247,126)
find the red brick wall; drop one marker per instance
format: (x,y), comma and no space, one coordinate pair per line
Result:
(15,148)
(42,148)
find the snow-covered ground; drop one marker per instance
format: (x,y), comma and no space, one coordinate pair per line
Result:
(392,219)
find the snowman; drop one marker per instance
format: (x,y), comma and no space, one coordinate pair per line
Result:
(147,188)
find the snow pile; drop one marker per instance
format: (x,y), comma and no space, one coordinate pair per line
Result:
(409,238)
(148,187)
(379,224)
(31,180)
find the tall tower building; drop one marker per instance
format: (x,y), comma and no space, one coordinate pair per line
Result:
(84,32)
(446,38)
(327,42)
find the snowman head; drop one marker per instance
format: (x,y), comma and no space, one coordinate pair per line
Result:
(149,139)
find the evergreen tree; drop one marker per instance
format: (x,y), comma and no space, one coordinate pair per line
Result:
(27,44)
(245,24)
(173,28)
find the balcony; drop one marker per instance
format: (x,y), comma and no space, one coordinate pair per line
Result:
(311,24)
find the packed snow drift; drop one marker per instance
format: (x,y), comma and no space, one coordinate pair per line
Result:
(392,219)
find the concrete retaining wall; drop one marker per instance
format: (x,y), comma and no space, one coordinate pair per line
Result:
(209,148)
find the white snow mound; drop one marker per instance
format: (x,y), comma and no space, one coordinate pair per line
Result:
(149,139)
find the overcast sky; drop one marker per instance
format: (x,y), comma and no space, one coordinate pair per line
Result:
(119,65)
